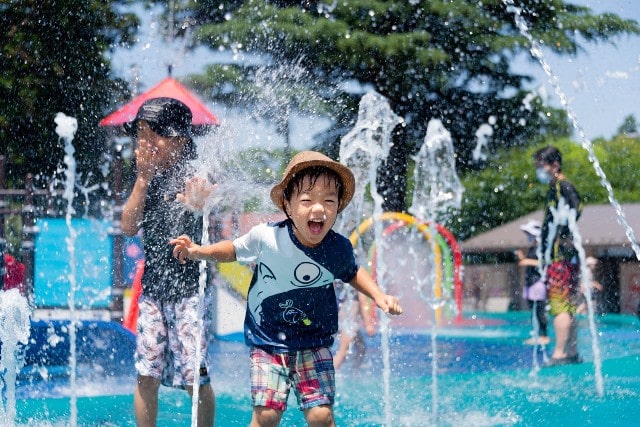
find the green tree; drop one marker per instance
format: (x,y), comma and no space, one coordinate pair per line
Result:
(431,59)
(507,189)
(628,126)
(53,57)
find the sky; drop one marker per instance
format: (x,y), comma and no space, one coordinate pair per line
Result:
(602,84)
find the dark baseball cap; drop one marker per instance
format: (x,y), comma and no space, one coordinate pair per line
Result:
(166,117)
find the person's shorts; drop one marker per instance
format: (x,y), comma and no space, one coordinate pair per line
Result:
(309,372)
(166,342)
(562,282)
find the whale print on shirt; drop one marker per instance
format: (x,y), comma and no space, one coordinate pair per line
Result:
(305,275)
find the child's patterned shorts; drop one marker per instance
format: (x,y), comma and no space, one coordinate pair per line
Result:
(166,342)
(309,372)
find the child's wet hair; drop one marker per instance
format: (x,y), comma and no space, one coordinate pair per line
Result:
(313,173)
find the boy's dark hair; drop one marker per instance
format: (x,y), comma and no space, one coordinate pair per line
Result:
(313,173)
(548,155)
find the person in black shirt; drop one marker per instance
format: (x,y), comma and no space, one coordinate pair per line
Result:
(558,256)
(166,329)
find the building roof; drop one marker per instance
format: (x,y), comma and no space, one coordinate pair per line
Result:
(598,226)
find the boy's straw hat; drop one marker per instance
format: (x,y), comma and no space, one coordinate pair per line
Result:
(307,159)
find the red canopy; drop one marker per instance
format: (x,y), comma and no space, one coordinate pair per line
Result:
(168,87)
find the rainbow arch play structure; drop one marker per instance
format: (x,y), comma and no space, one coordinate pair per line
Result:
(448,257)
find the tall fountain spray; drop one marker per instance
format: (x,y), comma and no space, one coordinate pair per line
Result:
(437,189)
(437,192)
(66,129)
(202,283)
(363,150)
(15,326)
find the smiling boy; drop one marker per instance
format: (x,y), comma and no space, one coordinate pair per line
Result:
(292,314)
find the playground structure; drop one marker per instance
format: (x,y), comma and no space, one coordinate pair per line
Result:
(42,239)
(447,259)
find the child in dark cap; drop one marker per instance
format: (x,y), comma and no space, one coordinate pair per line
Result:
(292,313)
(168,306)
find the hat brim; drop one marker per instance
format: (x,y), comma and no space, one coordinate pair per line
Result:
(131,129)
(346,177)
(532,227)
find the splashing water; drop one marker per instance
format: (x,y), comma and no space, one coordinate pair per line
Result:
(363,149)
(66,129)
(218,163)
(437,192)
(437,188)
(15,326)
(536,51)
(202,282)
(564,215)
(586,286)
(482,137)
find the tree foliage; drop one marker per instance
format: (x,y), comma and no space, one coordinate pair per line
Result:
(628,126)
(53,59)
(449,60)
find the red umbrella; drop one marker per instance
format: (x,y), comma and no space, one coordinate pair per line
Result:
(169,87)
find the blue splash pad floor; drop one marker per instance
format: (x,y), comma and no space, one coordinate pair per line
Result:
(485,378)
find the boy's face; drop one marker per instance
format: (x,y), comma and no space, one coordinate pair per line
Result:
(164,151)
(552,169)
(313,210)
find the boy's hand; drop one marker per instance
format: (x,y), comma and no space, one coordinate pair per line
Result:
(196,193)
(183,248)
(389,304)
(146,159)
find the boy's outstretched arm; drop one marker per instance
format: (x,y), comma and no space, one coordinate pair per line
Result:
(364,283)
(184,249)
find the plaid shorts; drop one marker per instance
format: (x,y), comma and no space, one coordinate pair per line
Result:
(166,342)
(309,372)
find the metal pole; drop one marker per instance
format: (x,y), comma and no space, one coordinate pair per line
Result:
(29,231)
(117,290)
(3,205)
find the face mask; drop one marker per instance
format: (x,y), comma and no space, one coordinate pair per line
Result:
(542,176)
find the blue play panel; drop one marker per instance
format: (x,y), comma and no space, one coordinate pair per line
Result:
(93,254)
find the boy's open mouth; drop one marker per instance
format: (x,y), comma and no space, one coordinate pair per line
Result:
(316,225)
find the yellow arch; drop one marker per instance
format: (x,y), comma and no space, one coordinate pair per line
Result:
(423,228)
(238,276)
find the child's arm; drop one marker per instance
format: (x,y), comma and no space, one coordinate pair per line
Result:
(364,283)
(184,249)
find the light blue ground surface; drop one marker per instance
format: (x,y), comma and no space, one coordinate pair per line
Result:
(484,378)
